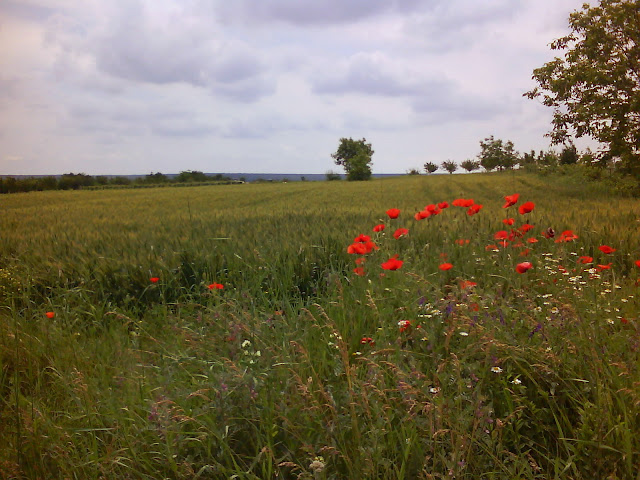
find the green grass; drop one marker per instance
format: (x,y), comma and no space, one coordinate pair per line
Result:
(529,376)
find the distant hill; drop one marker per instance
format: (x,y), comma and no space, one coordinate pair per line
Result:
(247,177)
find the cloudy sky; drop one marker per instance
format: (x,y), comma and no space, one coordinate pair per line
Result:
(266,86)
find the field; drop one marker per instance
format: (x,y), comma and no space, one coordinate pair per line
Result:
(227,332)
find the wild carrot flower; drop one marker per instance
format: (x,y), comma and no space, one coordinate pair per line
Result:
(496,369)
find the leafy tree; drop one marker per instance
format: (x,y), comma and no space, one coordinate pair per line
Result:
(430,167)
(470,165)
(413,171)
(497,154)
(594,89)
(355,157)
(450,166)
(569,155)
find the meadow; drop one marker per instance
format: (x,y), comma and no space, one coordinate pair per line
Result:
(267,331)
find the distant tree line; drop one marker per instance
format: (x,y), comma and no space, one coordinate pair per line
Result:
(76,181)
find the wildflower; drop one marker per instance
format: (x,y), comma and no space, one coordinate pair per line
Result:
(404,325)
(604,267)
(392,264)
(443,205)
(493,248)
(367,341)
(466,242)
(501,235)
(359,271)
(317,466)
(525,252)
(378,228)
(461,202)
(511,200)
(401,232)
(473,209)
(215,286)
(508,221)
(464,284)
(516,381)
(606,249)
(50,314)
(523,267)
(526,207)
(585,259)
(567,236)
(525,228)
(496,369)
(154,279)
(637,262)
(362,238)
(393,213)
(434,390)
(464,334)
(445,266)
(422,215)
(357,248)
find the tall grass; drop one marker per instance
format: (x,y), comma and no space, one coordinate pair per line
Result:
(299,368)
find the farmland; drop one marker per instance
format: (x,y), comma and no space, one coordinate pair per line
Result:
(226,332)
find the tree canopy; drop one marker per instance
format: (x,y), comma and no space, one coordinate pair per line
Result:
(355,157)
(594,89)
(497,154)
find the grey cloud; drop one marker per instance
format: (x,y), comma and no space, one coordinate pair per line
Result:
(313,13)
(450,105)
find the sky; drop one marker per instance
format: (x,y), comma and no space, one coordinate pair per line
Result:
(107,87)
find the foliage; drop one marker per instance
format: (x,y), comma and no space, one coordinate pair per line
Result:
(594,88)
(355,157)
(449,166)
(430,167)
(470,165)
(413,171)
(497,154)
(224,332)
(330,176)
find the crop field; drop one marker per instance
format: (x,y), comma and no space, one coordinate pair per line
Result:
(479,326)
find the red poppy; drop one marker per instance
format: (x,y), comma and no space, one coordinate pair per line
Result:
(523,267)
(422,215)
(393,212)
(467,284)
(517,245)
(585,259)
(508,221)
(637,263)
(604,267)
(474,306)
(443,205)
(362,238)
(526,207)
(357,248)
(492,247)
(371,246)
(606,249)
(511,200)
(567,236)
(501,235)
(154,279)
(215,286)
(360,261)
(504,243)
(461,202)
(445,266)
(525,228)
(401,232)
(404,325)
(443,256)
(473,209)
(392,264)
(378,228)
(525,252)
(465,242)
(359,271)
(532,240)
(50,314)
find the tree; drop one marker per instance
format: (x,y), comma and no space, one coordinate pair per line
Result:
(497,154)
(450,166)
(470,165)
(569,155)
(430,167)
(355,157)
(594,89)
(413,171)
(331,176)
